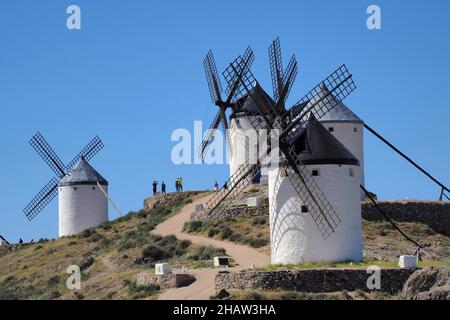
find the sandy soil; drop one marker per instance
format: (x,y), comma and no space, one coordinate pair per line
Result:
(203,287)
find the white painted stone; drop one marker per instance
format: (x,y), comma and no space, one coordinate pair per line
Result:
(294,235)
(2,242)
(221,261)
(264,181)
(254,201)
(407,262)
(163,269)
(353,141)
(81,207)
(240,143)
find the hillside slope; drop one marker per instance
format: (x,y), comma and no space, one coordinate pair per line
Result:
(110,257)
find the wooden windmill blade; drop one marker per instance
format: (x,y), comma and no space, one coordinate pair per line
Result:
(215,90)
(50,190)
(288,81)
(242,65)
(46,152)
(319,100)
(88,152)
(241,178)
(323,214)
(42,199)
(209,135)
(212,77)
(276,68)
(282,80)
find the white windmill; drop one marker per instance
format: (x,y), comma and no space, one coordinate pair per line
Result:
(294,236)
(314,193)
(83,201)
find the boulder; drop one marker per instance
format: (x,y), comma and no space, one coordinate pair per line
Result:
(428,284)
(222,293)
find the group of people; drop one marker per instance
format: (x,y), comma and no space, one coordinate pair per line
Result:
(178,186)
(216,185)
(155,187)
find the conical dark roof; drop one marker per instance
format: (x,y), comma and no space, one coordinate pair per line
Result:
(316,145)
(82,173)
(339,113)
(247,105)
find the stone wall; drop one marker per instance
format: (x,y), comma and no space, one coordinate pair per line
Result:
(240,211)
(314,280)
(8,248)
(435,214)
(176,280)
(160,199)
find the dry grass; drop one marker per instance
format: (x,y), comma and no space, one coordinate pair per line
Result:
(106,254)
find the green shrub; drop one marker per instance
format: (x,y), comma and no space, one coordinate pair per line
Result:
(193,226)
(53,281)
(225,232)
(86,263)
(152,254)
(257,243)
(259,221)
(254,296)
(212,232)
(205,253)
(235,237)
(140,292)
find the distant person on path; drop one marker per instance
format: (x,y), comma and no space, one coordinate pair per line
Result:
(225,186)
(20,241)
(163,188)
(155,186)
(181,184)
(177,185)
(216,185)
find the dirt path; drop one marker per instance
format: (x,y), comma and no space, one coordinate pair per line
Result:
(203,287)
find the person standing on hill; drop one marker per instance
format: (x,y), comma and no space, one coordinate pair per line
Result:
(163,188)
(177,185)
(181,184)
(216,185)
(155,186)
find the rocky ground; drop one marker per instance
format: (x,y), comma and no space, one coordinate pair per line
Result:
(381,241)
(111,256)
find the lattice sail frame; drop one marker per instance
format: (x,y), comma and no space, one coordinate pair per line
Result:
(215,88)
(276,68)
(309,192)
(46,152)
(212,77)
(50,190)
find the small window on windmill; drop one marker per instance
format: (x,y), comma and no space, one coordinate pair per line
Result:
(351,173)
(315,173)
(74,188)
(331,129)
(93,188)
(355,129)
(304,209)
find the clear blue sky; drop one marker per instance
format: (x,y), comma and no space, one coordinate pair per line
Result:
(134,73)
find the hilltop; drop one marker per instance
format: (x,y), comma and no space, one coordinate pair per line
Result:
(112,255)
